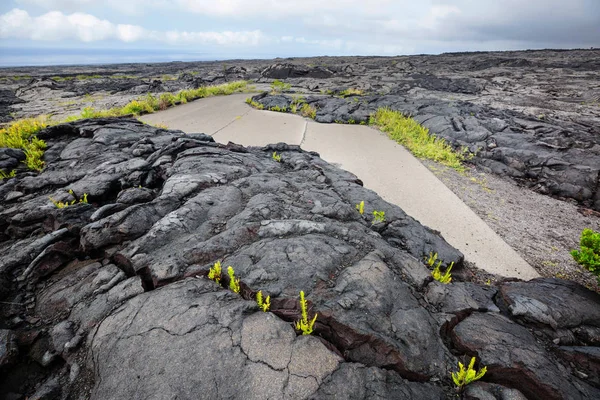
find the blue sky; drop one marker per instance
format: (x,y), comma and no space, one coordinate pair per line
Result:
(270,28)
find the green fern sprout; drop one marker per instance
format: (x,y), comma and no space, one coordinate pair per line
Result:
(465,376)
(276,157)
(234,283)
(264,304)
(361,207)
(378,216)
(60,204)
(214,273)
(437,274)
(443,277)
(304,324)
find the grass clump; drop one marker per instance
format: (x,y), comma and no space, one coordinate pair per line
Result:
(276,157)
(254,104)
(21,135)
(351,92)
(7,175)
(589,253)
(304,325)
(278,86)
(417,139)
(308,111)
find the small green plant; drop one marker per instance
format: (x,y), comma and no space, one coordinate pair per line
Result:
(234,283)
(308,111)
(254,104)
(417,139)
(278,86)
(214,273)
(7,175)
(76,200)
(589,253)
(465,376)
(276,157)
(304,325)
(361,207)
(351,92)
(264,304)
(378,216)
(278,109)
(437,274)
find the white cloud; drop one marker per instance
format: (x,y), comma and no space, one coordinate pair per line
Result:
(56,26)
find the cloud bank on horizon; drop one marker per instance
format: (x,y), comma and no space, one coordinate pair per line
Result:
(311,27)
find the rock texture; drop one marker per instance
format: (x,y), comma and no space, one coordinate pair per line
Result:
(110,299)
(532,116)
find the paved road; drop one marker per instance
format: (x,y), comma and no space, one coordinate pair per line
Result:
(383,166)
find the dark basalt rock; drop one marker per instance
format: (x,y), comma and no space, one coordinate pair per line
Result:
(284,71)
(556,157)
(110,300)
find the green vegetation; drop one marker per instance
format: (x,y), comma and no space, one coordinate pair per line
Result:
(7,175)
(304,325)
(77,77)
(465,376)
(214,273)
(361,207)
(378,216)
(76,200)
(254,104)
(409,133)
(589,253)
(437,274)
(234,283)
(21,134)
(278,86)
(308,111)
(276,157)
(264,304)
(351,92)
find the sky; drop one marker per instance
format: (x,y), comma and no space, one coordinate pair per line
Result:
(222,29)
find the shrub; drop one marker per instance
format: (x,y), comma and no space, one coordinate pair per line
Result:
(589,253)
(410,134)
(21,135)
(304,325)
(465,376)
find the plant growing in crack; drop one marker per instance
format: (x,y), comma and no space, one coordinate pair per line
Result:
(304,324)
(361,207)
(214,273)
(276,157)
(378,216)
(234,283)
(263,303)
(76,200)
(437,274)
(464,376)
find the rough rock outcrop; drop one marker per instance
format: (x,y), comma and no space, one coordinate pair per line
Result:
(110,299)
